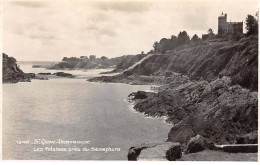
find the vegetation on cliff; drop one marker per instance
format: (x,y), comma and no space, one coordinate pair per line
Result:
(92,62)
(209,60)
(12,73)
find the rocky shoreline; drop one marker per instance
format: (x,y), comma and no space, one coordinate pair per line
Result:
(218,107)
(218,112)
(222,113)
(13,74)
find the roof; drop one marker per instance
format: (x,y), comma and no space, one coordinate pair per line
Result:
(222,15)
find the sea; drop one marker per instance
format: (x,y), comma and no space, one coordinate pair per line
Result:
(73,119)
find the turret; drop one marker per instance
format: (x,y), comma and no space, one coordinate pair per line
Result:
(222,21)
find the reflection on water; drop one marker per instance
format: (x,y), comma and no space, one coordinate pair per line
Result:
(74,109)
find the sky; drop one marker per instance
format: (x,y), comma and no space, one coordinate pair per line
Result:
(50,30)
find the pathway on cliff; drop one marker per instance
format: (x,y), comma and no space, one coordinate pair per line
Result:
(139,62)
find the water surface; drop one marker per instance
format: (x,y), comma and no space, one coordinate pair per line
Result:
(74,109)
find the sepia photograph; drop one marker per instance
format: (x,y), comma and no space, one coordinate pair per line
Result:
(129,80)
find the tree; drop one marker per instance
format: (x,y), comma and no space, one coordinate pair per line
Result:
(142,52)
(104,58)
(150,52)
(195,39)
(65,59)
(173,42)
(173,37)
(251,25)
(165,45)
(92,57)
(83,57)
(210,31)
(156,47)
(183,38)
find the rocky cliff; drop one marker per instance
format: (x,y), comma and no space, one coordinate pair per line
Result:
(210,60)
(218,110)
(12,73)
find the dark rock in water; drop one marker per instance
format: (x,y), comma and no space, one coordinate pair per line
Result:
(250,138)
(160,151)
(134,152)
(140,95)
(41,78)
(199,143)
(44,73)
(62,74)
(36,66)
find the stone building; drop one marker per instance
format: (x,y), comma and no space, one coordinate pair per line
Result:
(225,28)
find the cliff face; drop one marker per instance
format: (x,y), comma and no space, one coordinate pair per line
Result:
(210,60)
(217,110)
(12,73)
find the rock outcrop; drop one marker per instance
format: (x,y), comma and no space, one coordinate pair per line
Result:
(162,151)
(12,73)
(199,143)
(217,110)
(62,74)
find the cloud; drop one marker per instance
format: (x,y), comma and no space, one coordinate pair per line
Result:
(30,4)
(124,6)
(36,30)
(42,36)
(108,32)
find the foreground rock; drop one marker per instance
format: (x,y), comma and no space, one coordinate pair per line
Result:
(162,151)
(12,73)
(199,143)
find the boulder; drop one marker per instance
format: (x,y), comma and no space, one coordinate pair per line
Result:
(180,133)
(134,151)
(174,152)
(199,143)
(140,95)
(165,151)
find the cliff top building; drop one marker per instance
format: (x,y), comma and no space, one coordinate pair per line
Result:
(226,28)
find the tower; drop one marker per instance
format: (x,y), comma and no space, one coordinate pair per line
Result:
(222,22)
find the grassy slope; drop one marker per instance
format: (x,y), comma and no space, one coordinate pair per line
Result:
(210,60)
